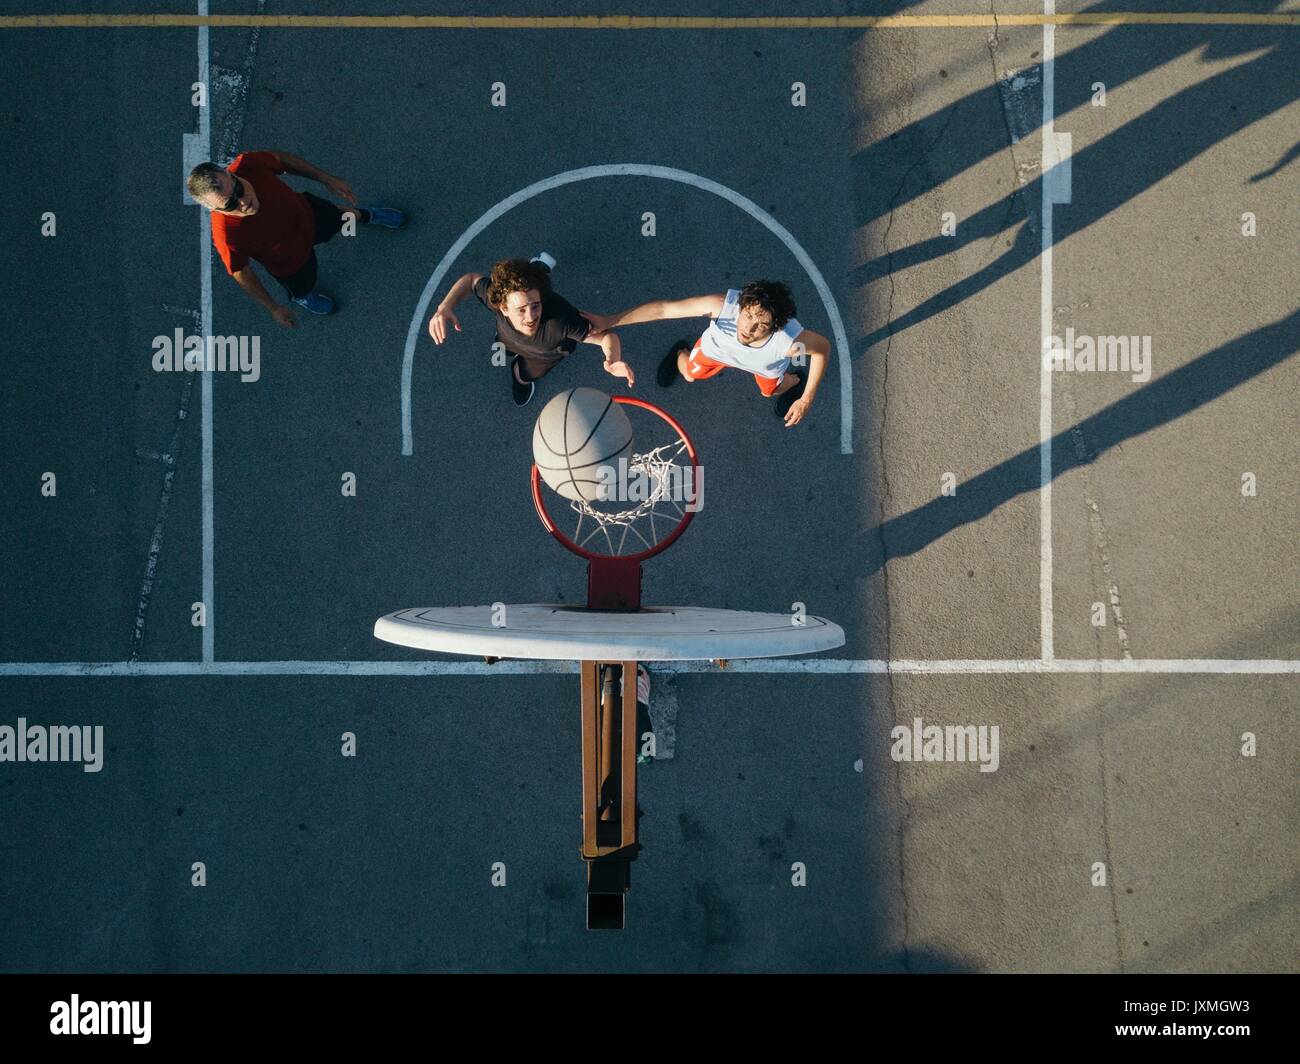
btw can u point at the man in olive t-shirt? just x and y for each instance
(537, 326)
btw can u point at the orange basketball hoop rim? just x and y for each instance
(549, 522)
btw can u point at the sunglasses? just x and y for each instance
(233, 203)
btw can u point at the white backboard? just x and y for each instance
(573, 633)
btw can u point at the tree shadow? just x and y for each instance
(1178, 392)
(1108, 58)
(1109, 174)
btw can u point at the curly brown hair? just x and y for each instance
(516, 275)
(771, 296)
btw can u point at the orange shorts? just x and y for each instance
(700, 367)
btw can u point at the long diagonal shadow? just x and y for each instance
(1178, 392)
(1112, 57)
(1107, 174)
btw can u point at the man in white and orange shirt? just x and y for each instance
(753, 329)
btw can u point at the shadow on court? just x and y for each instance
(1114, 170)
(1161, 401)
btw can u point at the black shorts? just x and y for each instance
(534, 367)
(328, 219)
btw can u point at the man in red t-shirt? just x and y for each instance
(257, 216)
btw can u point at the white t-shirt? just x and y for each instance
(770, 359)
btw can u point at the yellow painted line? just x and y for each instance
(640, 22)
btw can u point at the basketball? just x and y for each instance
(577, 433)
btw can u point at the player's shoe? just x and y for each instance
(522, 391)
(668, 372)
(316, 303)
(545, 258)
(787, 399)
(388, 217)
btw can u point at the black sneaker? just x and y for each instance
(522, 391)
(787, 399)
(668, 371)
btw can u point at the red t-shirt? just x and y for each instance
(279, 235)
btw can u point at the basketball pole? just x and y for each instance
(609, 749)
(609, 801)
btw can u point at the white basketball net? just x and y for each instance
(625, 531)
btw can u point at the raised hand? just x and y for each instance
(341, 189)
(798, 409)
(438, 325)
(621, 369)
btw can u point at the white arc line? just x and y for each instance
(666, 173)
(818, 666)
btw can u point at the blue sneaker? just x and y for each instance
(316, 303)
(388, 217)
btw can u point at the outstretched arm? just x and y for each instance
(294, 165)
(610, 344)
(252, 284)
(444, 315)
(817, 348)
(659, 310)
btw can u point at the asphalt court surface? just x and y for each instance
(383, 862)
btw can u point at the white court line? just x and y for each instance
(1047, 650)
(205, 329)
(818, 666)
(666, 173)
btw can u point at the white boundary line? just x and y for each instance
(822, 666)
(1047, 648)
(205, 329)
(666, 173)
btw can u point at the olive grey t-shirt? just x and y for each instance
(558, 333)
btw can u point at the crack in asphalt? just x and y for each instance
(1099, 542)
(1097, 526)
(1113, 884)
(1013, 197)
(169, 458)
